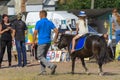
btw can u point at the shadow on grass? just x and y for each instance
(14, 66)
(33, 65)
(110, 74)
(5, 67)
(105, 74)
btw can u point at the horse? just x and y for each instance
(95, 46)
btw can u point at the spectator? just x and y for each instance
(116, 24)
(43, 29)
(6, 38)
(19, 31)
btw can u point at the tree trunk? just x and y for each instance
(92, 4)
(62, 1)
(23, 6)
(17, 6)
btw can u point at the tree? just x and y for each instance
(92, 4)
(104, 3)
(86, 4)
(74, 4)
(23, 6)
(61, 2)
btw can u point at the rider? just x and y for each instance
(81, 28)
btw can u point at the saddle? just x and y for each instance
(80, 42)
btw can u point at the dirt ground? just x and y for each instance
(30, 72)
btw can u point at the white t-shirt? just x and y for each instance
(82, 26)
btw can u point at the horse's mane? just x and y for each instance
(67, 35)
(72, 35)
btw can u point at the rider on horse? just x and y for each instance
(81, 28)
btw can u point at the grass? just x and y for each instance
(112, 72)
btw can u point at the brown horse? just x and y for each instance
(95, 46)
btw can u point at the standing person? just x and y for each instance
(81, 28)
(19, 31)
(43, 29)
(6, 38)
(116, 24)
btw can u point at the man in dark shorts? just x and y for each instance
(43, 29)
(19, 31)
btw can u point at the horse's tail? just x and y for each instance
(100, 51)
(105, 55)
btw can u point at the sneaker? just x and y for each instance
(42, 73)
(53, 69)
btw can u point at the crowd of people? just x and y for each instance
(15, 33)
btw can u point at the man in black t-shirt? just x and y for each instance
(19, 31)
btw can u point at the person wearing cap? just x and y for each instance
(81, 28)
(19, 31)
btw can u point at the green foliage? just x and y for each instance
(86, 4)
(117, 4)
(74, 4)
(105, 4)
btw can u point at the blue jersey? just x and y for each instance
(44, 27)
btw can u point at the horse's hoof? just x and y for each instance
(72, 72)
(101, 74)
(88, 73)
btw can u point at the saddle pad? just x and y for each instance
(80, 43)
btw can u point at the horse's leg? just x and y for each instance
(100, 68)
(84, 65)
(73, 64)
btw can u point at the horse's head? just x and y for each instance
(64, 40)
(62, 43)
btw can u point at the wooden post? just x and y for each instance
(62, 1)
(92, 4)
(17, 6)
(20, 6)
(23, 6)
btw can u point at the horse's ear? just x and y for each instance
(105, 36)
